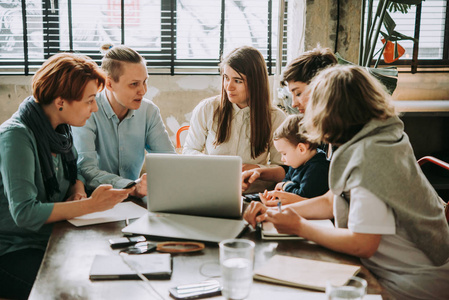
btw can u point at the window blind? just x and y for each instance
(431, 21)
(174, 36)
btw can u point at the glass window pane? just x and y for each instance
(98, 22)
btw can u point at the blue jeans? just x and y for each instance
(18, 271)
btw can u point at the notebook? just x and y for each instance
(304, 273)
(152, 266)
(269, 232)
(193, 197)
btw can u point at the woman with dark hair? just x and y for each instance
(39, 182)
(241, 121)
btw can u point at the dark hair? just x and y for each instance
(249, 62)
(307, 65)
(293, 131)
(343, 99)
(115, 56)
(65, 75)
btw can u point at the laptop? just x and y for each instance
(194, 197)
(201, 185)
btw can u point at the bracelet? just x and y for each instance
(179, 247)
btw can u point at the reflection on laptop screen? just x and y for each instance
(203, 185)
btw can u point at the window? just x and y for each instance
(175, 36)
(429, 22)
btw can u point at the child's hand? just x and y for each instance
(273, 197)
(279, 186)
(268, 199)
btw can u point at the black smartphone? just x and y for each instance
(130, 185)
(251, 197)
(126, 241)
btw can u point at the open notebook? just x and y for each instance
(269, 232)
(305, 273)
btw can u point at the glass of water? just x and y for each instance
(236, 262)
(355, 289)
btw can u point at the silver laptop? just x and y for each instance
(201, 185)
(192, 197)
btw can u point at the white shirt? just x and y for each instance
(401, 267)
(202, 133)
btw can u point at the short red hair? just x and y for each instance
(65, 75)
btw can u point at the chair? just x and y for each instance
(441, 164)
(178, 138)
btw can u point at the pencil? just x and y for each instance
(280, 206)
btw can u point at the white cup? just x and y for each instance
(236, 262)
(355, 289)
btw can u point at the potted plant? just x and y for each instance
(369, 35)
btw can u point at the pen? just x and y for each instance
(280, 206)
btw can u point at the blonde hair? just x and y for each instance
(294, 132)
(115, 56)
(343, 99)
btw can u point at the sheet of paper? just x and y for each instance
(122, 211)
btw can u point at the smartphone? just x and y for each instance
(126, 241)
(251, 197)
(130, 185)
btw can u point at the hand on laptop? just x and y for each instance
(141, 187)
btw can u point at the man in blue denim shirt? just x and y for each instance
(112, 144)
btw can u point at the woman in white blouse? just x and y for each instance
(241, 121)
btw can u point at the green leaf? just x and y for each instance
(387, 76)
(389, 24)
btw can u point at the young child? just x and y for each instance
(308, 168)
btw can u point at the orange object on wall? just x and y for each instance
(389, 52)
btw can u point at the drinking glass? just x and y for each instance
(354, 290)
(236, 261)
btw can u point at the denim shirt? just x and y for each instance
(113, 151)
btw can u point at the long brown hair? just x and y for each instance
(344, 99)
(249, 62)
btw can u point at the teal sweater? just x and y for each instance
(380, 159)
(24, 206)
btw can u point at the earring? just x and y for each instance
(60, 109)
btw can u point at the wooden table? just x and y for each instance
(64, 273)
